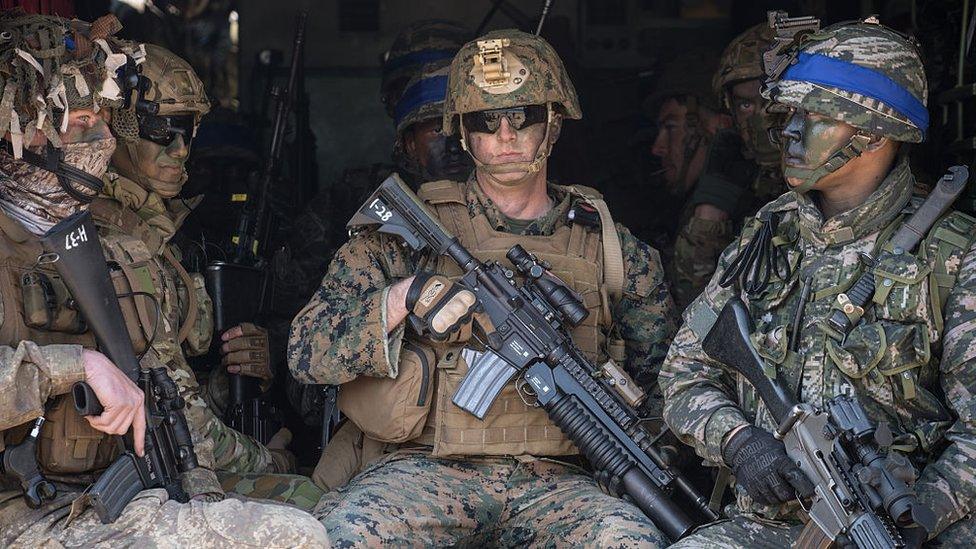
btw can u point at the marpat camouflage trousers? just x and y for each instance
(153, 520)
(413, 499)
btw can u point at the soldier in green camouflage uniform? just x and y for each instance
(741, 173)
(507, 90)
(71, 66)
(910, 359)
(136, 219)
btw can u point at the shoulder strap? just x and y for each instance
(191, 293)
(952, 234)
(440, 192)
(613, 255)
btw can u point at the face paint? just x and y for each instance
(809, 141)
(35, 197)
(754, 120)
(445, 159)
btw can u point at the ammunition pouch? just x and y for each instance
(69, 445)
(47, 304)
(138, 311)
(393, 409)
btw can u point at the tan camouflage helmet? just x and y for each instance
(174, 84)
(504, 69)
(863, 74)
(742, 60)
(49, 66)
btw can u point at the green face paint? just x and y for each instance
(811, 146)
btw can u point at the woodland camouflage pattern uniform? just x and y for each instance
(911, 358)
(38, 366)
(412, 496)
(739, 176)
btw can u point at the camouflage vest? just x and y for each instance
(36, 307)
(512, 427)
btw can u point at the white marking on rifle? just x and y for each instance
(518, 348)
(75, 238)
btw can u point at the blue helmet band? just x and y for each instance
(421, 57)
(426, 91)
(827, 71)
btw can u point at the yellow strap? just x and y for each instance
(613, 254)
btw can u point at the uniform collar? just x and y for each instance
(881, 207)
(479, 203)
(165, 216)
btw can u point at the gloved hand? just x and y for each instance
(914, 537)
(444, 308)
(245, 352)
(761, 466)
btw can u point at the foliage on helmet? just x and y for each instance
(863, 74)
(50, 66)
(504, 69)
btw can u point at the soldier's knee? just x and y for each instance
(627, 532)
(265, 524)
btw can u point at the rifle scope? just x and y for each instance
(556, 294)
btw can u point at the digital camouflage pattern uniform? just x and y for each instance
(910, 360)
(484, 488)
(39, 364)
(740, 175)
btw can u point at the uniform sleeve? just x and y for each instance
(948, 485)
(696, 251)
(645, 316)
(30, 374)
(699, 394)
(342, 332)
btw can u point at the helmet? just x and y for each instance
(742, 60)
(507, 68)
(49, 66)
(173, 84)
(423, 96)
(420, 43)
(861, 73)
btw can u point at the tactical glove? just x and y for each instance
(443, 308)
(761, 466)
(248, 354)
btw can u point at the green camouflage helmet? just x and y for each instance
(504, 69)
(742, 60)
(418, 44)
(173, 84)
(423, 96)
(863, 74)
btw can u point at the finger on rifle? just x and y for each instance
(804, 488)
(139, 431)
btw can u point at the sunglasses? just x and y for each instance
(518, 117)
(162, 130)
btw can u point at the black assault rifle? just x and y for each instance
(238, 287)
(531, 337)
(74, 246)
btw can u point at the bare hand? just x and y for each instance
(123, 401)
(245, 351)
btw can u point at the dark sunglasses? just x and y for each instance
(162, 130)
(518, 117)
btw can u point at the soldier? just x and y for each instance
(456, 479)
(420, 154)
(136, 219)
(741, 172)
(856, 93)
(60, 84)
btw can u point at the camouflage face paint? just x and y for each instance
(809, 140)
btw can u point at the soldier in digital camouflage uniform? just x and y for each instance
(513, 478)
(316, 234)
(70, 66)
(855, 93)
(137, 216)
(741, 173)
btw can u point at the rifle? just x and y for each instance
(247, 272)
(78, 258)
(531, 337)
(862, 492)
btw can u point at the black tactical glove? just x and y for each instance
(914, 537)
(761, 466)
(443, 308)
(727, 176)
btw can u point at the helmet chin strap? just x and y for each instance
(857, 145)
(528, 168)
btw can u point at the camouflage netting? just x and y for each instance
(51, 65)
